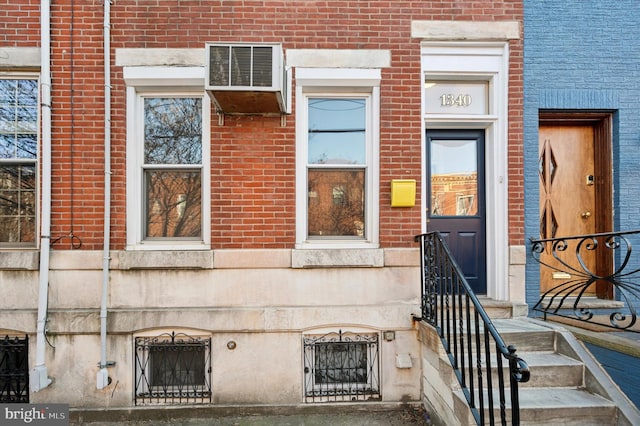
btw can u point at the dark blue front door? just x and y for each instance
(456, 198)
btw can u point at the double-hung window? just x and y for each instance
(336, 167)
(337, 157)
(167, 160)
(172, 167)
(18, 158)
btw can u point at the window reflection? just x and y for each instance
(336, 203)
(18, 152)
(174, 204)
(337, 131)
(454, 178)
(172, 130)
(172, 147)
(336, 167)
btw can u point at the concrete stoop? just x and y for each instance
(556, 406)
(502, 309)
(567, 385)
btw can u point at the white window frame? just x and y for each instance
(339, 83)
(23, 161)
(144, 82)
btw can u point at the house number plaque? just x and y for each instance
(466, 98)
(450, 99)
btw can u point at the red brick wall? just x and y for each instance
(252, 158)
(19, 23)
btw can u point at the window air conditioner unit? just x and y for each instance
(247, 78)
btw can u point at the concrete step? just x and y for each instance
(548, 369)
(565, 406)
(493, 308)
(502, 309)
(524, 335)
(558, 392)
(592, 303)
(555, 406)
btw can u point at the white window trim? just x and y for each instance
(335, 82)
(27, 258)
(479, 61)
(162, 81)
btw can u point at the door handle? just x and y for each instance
(586, 215)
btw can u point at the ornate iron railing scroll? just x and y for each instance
(475, 349)
(571, 297)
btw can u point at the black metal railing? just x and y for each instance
(340, 367)
(476, 350)
(14, 369)
(588, 268)
(172, 369)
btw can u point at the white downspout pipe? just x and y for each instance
(102, 378)
(38, 377)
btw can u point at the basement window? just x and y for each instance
(172, 369)
(341, 367)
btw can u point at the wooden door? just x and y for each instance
(567, 194)
(456, 198)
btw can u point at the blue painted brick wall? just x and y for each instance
(621, 367)
(584, 55)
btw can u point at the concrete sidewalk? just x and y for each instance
(334, 415)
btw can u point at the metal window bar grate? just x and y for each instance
(14, 370)
(340, 367)
(474, 347)
(172, 369)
